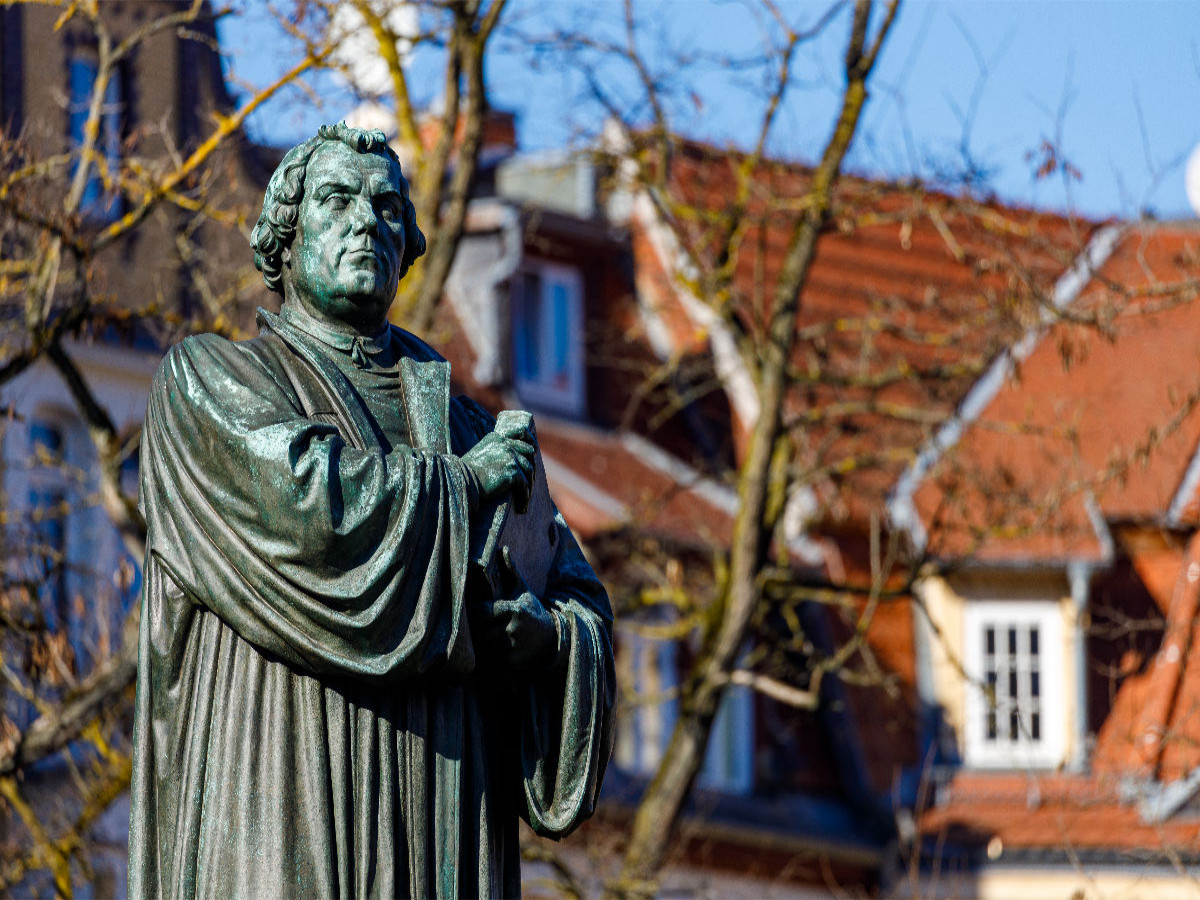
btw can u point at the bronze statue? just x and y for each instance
(345, 687)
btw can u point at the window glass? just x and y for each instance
(729, 760)
(650, 703)
(528, 325)
(561, 336)
(1010, 649)
(97, 204)
(47, 509)
(648, 669)
(548, 363)
(1011, 681)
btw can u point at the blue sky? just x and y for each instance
(1114, 86)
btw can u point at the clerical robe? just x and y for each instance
(312, 718)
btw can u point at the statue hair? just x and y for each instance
(276, 225)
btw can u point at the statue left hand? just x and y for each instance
(517, 627)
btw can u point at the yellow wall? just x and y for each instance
(1087, 883)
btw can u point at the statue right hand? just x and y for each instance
(501, 464)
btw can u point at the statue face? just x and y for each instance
(345, 259)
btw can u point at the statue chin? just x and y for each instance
(368, 314)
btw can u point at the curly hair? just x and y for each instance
(276, 226)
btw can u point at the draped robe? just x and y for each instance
(311, 717)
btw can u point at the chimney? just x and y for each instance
(499, 139)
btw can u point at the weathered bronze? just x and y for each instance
(345, 687)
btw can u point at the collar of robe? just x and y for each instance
(362, 348)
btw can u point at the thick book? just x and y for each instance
(525, 526)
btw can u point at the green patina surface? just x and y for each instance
(332, 699)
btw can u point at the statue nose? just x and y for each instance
(364, 218)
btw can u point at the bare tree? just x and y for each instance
(440, 143)
(136, 230)
(830, 403)
(808, 426)
(766, 349)
(123, 231)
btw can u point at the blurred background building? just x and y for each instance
(1016, 712)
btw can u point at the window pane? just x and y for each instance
(45, 436)
(990, 700)
(527, 326)
(96, 202)
(83, 76)
(1016, 645)
(560, 303)
(110, 142)
(129, 474)
(83, 79)
(547, 362)
(110, 120)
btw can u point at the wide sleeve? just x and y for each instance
(567, 727)
(338, 560)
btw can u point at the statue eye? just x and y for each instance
(390, 212)
(337, 201)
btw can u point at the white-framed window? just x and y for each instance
(650, 672)
(547, 322)
(1015, 708)
(649, 666)
(69, 549)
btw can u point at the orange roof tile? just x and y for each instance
(1099, 427)
(1165, 727)
(1072, 813)
(910, 295)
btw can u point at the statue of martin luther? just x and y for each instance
(331, 700)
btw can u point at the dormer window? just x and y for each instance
(547, 316)
(97, 204)
(1015, 714)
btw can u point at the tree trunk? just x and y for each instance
(658, 814)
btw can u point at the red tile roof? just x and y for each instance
(1094, 438)
(1105, 414)
(1066, 812)
(643, 487)
(910, 295)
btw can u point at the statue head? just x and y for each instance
(338, 230)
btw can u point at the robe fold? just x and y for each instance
(311, 717)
